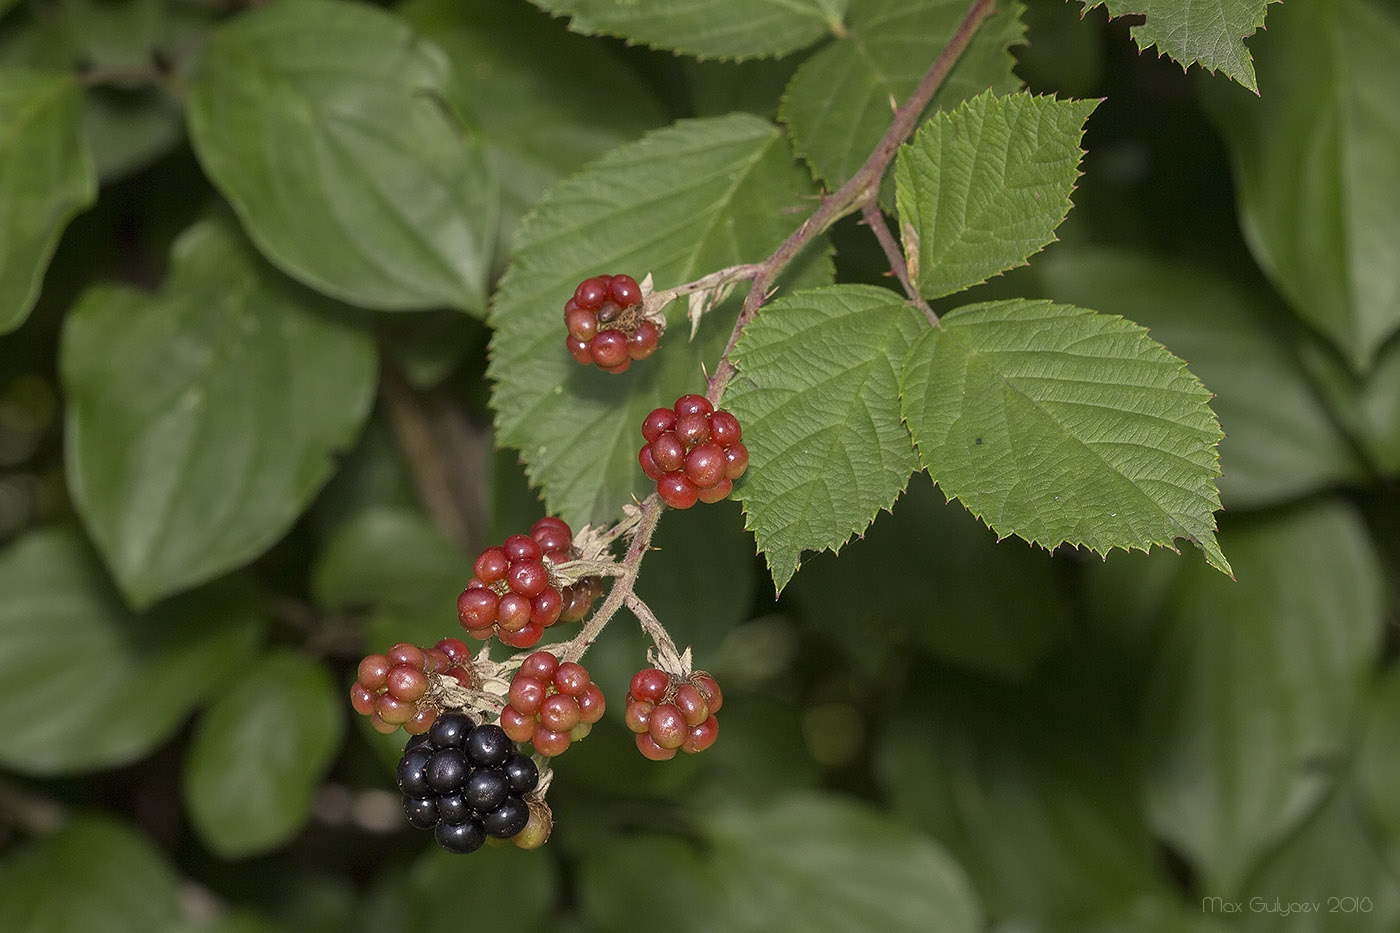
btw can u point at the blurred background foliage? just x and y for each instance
(931, 730)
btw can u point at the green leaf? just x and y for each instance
(259, 753)
(1280, 441)
(730, 29)
(545, 102)
(839, 102)
(648, 875)
(93, 874)
(1209, 33)
(1006, 780)
(87, 684)
(854, 870)
(1314, 166)
(817, 389)
(203, 419)
(325, 125)
(47, 174)
(679, 203)
(1058, 425)
(981, 189)
(1257, 685)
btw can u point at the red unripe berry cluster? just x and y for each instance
(550, 704)
(394, 689)
(605, 323)
(512, 594)
(667, 713)
(692, 451)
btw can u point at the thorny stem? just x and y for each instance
(862, 188)
(631, 564)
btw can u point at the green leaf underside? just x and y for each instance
(857, 871)
(203, 419)
(1314, 162)
(1056, 424)
(71, 654)
(325, 125)
(679, 203)
(544, 101)
(1255, 693)
(93, 874)
(838, 103)
(46, 176)
(983, 188)
(724, 29)
(1209, 33)
(260, 752)
(817, 390)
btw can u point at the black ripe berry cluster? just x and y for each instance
(512, 594)
(466, 782)
(606, 325)
(692, 451)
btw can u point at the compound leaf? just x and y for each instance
(1057, 424)
(983, 188)
(325, 126)
(259, 753)
(727, 29)
(201, 420)
(1314, 166)
(679, 203)
(817, 392)
(1209, 33)
(839, 102)
(72, 656)
(47, 175)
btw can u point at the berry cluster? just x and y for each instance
(466, 782)
(606, 325)
(396, 689)
(668, 713)
(551, 704)
(513, 593)
(692, 452)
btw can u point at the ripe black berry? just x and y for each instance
(422, 812)
(463, 838)
(521, 773)
(446, 770)
(453, 808)
(488, 745)
(486, 789)
(450, 730)
(412, 780)
(507, 819)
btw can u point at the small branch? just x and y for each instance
(863, 187)
(875, 219)
(650, 513)
(669, 659)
